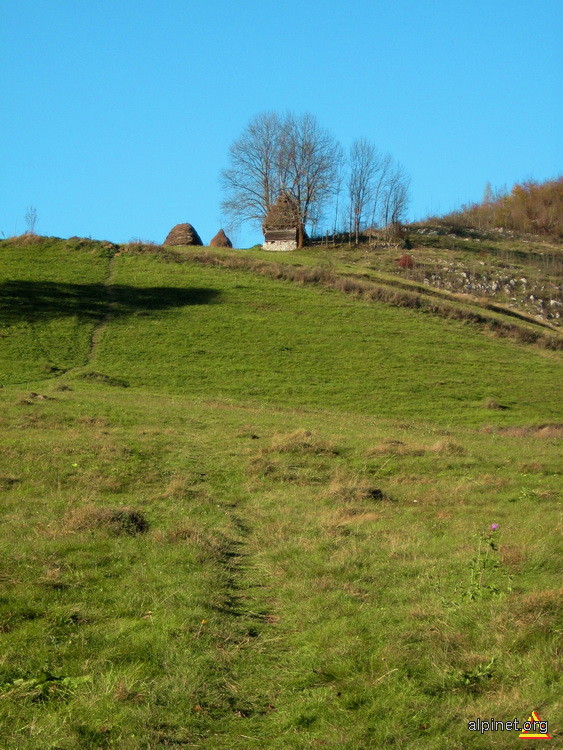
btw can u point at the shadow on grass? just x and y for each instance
(39, 300)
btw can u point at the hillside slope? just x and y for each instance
(229, 333)
(240, 512)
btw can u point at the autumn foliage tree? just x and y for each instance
(530, 207)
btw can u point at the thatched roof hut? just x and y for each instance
(281, 224)
(183, 234)
(220, 240)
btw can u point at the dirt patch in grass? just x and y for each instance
(39, 420)
(120, 521)
(8, 483)
(182, 487)
(52, 578)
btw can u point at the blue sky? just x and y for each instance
(117, 115)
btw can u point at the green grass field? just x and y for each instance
(240, 512)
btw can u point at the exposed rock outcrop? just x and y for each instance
(183, 234)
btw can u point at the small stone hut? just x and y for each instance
(220, 240)
(281, 225)
(183, 234)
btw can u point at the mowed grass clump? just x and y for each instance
(301, 442)
(115, 520)
(353, 488)
(299, 456)
(190, 562)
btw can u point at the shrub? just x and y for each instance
(406, 261)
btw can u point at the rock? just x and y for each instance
(183, 234)
(220, 240)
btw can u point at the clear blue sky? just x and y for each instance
(117, 115)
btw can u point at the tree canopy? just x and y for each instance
(293, 154)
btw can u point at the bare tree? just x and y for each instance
(291, 154)
(31, 217)
(395, 199)
(311, 157)
(376, 183)
(252, 181)
(339, 181)
(399, 195)
(383, 170)
(364, 161)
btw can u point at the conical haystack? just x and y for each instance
(220, 240)
(183, 234)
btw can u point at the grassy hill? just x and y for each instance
(247, 504)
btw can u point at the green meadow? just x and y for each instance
(240, 512)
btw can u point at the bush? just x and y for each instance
(406, 261)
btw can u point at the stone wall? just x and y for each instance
(280, 246)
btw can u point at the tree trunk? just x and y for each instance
(300, 236)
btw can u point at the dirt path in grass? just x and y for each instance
(99, 329)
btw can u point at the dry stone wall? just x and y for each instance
(280, 246)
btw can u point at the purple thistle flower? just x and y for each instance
(494, 526)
